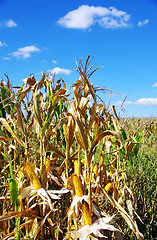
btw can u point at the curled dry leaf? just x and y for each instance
(6, 125)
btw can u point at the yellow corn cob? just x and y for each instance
(112, 168)
(28, 168)
(32, 176)
(20, 172)
(86, 213)
(108, 187)
(77, 185)
(48, 165)
(95, 170)
(76, 167)
(35, 182)
(83, 160)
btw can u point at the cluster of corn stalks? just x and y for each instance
(63, 162)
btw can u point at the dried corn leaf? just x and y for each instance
(80, 134)
(55, 98)
(24, 92)
(26, 213)
(132, 224)
(37, 107)
(90, 87)
(19, 117)
(56, 150)
(6, 125)
(129, 148)
(69, 128)
(117, 135)
(31, 80)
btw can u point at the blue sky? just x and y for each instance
(49, 35)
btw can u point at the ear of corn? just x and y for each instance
(48, 165)
(77, 185)
(95, 170)
(112, 169)
(76, 167)
(86, 213)
(32, 176)
(108, 187)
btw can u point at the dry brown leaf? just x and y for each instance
(117, 135)
(80, 134)
(26, 213)
(24, 92)
(129, 148)
(19, 117)
(132, 224)
(90, 87)
(6, 125)
(37, 106)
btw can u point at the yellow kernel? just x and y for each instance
(36, 183)
(32, 176)
(95, 170)
(76, 167)
(77, 185)
(108, 187)
(112, 169)
(86, 213)
(48, 162)
(83, 160)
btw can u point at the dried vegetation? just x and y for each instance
(64, 163)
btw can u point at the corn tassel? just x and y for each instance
(32, 176)
(77, 185)
(86, 213)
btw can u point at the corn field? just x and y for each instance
(70, 167)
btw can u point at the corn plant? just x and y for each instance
(70, 159)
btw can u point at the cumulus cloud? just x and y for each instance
(86, 16)
(25, 52)
(140, 24)
(58, 70)
(8, 23)
(147, 101)
(154, 85)
(142, 102)
(2, 44)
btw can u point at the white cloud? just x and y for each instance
(119, 103)
(140, 24)
(142, 102)
(54, 61)
(2, 44)
(154, 85)
(147, 101)
(86, 16)
(58, 70)
(25, 52)
(6, 58)
(10, 23)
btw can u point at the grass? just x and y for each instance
(70, 167)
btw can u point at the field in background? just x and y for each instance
(72, 168)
